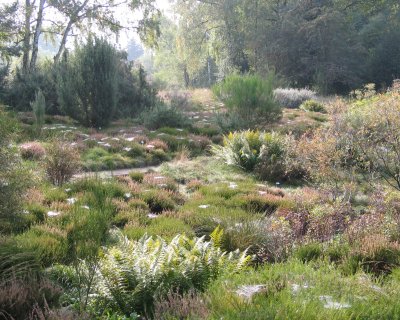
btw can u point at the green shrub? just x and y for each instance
(267, 204)
(309, 252)
(87, 83)
(38, 211)
(14, 178)
(313, 106)
(182, 264)
(53, 194)
(135, 216)
(136, 150)
(165, 116)
(158, 201)
(249, 95)
(165, 227)
(47, 242)
(231, 121)
(374, 253)
(138, 204)
(136, 176)
(61, 163)
(103, 189)
(159, 156)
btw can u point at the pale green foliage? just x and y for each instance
(249, 95)
(134, 273)
(313, 106)
(243, 149)
(39, 109)
(269, 155)
(293, 98)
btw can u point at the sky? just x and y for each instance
(121, 13)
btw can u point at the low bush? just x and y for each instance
(375, 254)
(158, 201)
(165, 116)
(47, 242)
(313, 106)
(182, 264)
(270, 155)
(249, 95)
(309, 252)
(165, 227)
(61, 163)
(32, 151)
(136, 176)
(266, 204)
(293, 98)
(189, 305)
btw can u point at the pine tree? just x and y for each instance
(87, 84)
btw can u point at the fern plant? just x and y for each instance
(135, 273)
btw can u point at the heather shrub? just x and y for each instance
(249, 95)
(267, 204)
(309, 252)
(182, 264)
(136, 176)
(190, 305)
(159, 144)
(47, 242)
(292, 98)
(165, 227)
(375, 253)
(158, 201)
(165, 116)
(32, 151)
(324, 221)
(313, 106)
(61, 163)
(14, 178)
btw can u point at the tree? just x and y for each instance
(63, 18)
(87, 83)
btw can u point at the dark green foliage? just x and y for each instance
(23, 87)
(14, 178)
(309, 252)
(87, 83)
(134, 93)
(313, 106)
(158, 201)
(164, 116)
(136, 176)
(249, 95)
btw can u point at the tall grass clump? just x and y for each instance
(249, 95)
(14, 178)
(39, 109)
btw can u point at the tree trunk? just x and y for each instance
(186, 77)
(27, 35)
(38, 31)
(63, 41)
